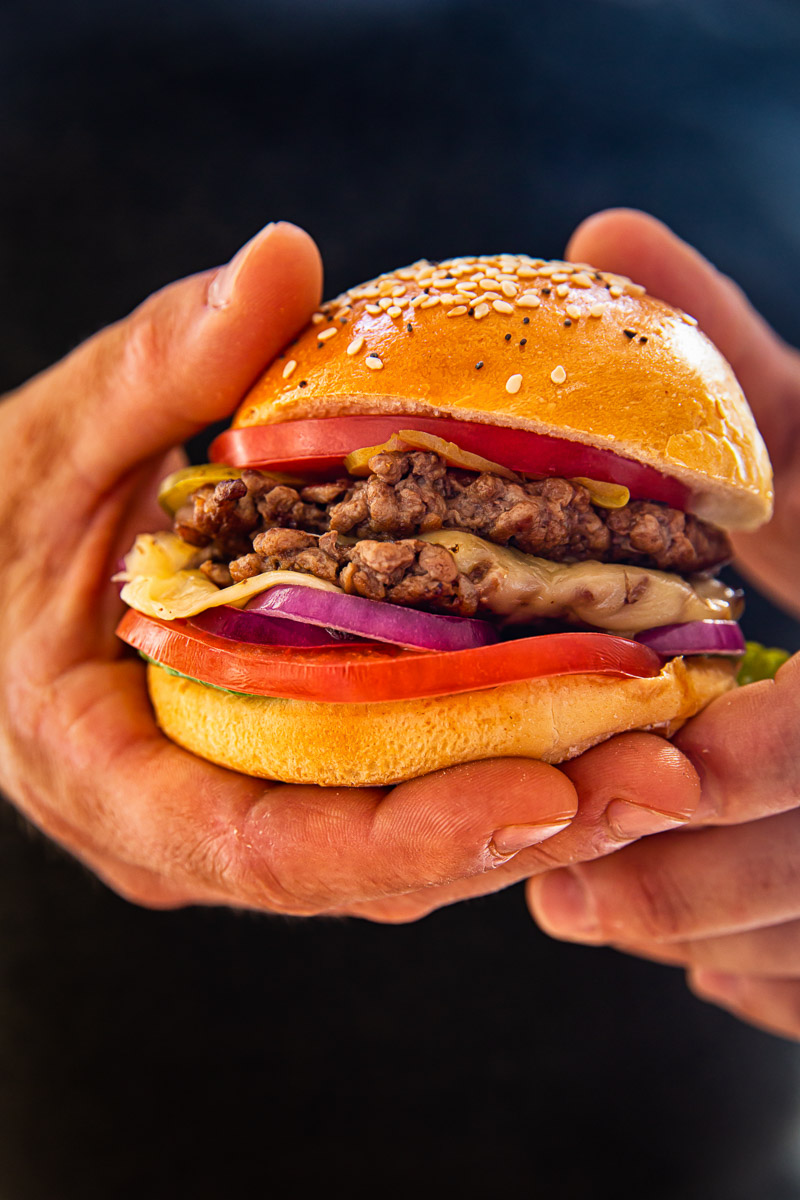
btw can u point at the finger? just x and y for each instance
(184, 358)
(633, 243)
(631, 786)
(772, 1004)
(746, 749)
(679, 887)
(771, 951)
(294, 849)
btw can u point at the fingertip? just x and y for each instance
(639, 768)
(605, 235)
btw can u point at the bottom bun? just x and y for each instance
(354, 745)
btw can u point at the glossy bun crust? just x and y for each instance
(565, 350)
(355, 745)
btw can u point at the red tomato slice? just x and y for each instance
(318, 447)
(367, 674)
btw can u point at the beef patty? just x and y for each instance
(410, 493)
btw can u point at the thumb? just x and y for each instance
(182, 359)
(635, 244)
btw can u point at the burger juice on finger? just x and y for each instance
(474, 510)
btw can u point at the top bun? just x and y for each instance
(552, 347)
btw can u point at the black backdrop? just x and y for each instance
(203, 1053)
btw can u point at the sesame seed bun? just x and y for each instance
(565, 350)
(356, 745)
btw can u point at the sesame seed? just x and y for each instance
(478, 366)
(458, 311)
(317, 317)
(502, 306)
(573, 311)
(615, 291)
(513, 384)
(373, 310)
(529, 301)
(526, 320)
(581, 279)
(466, 288)
(400, 290)
(356, 345)
(385, 303)
(491, 296)
(635, 289)
(562, 290)
(597, 310)
(642, 340)
(558, 374)
(481, 311)
(527, 272)
(508, 288)
(487, 284)
(290, 366)
(327, 334)
(523, 341)
(373, 362)
(415, 303)
(507, 337)
(559, 277)
(689, 320)
(394, 311)
(546, 291)
(629, 333)
(410, 327)
(303, 383)
(430, 302)
(568, 322)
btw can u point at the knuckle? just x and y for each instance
(232, 866)
(656, 905)
(144, 349)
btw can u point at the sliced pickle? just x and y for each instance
(357, 463)
(604, 495)
(176, 489)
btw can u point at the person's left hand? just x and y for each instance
(721, 897)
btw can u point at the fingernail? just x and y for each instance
(709, 805)
(564, 906)
(223, 285)
(513, 838)
(628, 820)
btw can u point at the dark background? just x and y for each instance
(204, 1053)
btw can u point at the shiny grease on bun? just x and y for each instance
(551, 347)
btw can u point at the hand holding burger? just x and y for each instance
(721, 899)
(81, 754)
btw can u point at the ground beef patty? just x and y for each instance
(407, 494)
(408, 572)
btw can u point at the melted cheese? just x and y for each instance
(611, 596)
(162, 580)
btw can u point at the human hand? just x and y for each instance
(721, 898)
(79, 750)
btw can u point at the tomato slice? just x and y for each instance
(369, 674)
(318, 447)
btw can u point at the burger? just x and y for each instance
(476, 509)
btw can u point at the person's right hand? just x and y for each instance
(80, 754)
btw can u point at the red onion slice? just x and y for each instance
(374, 619)
(241, 625)
(695, 637)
